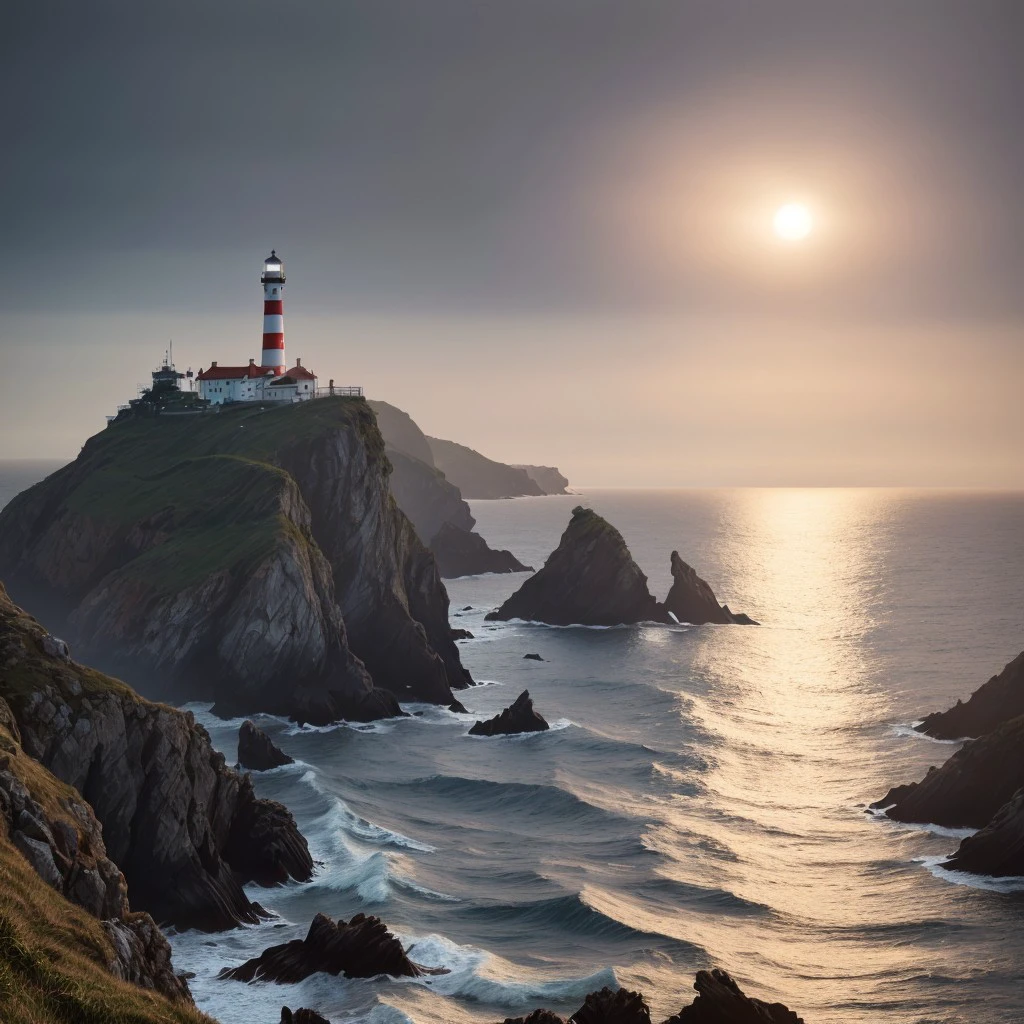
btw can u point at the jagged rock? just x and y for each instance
(998, 849)
(267, 568)
(721, 1001)
(590, 579)
(970, 787)
(360, 948)
(256, 751)
(186, 830)
(692, 600)
(547, 478)
(992, 704)
(476, 476)
(532, 657)
(302, 1016)
(460, 552)
(63, 842)
(458, 707)
(518, 717)
(537, 1017)
(56, 648)
(461, 634)
(608, 1007)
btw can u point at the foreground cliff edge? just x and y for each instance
(186, 831)
(255, 558)
(591, 579)
(980, 786)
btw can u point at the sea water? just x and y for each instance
(701, 800)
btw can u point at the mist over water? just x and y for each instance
(702, 800)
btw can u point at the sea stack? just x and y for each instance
(589, 579)
(518, 717)
(256, 750)
(692, 600)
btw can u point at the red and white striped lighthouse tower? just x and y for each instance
(272, 279)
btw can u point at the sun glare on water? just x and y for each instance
(793, 222)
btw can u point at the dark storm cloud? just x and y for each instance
(452, 156)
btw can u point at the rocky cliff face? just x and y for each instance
(433, 504)
(58, 835)
(255, 557)
(968, 790)
(992, 704)
(477, 476)
(591, 579)
(186, 831)
(547, 478)
(998, 849)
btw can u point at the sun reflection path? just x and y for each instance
(789, 706)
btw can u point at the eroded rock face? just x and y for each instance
(256, 558)
(721, 1001)
(998, 849)
(992, 704)
(58, 834)
(692, 600)
(256, 750)
(477, 476)
(589, 579)
(547, 478)
(613, 1007)
(516, 718)
(302, 1016)
(460, 552)
(186, 831)
(360, 948)
(968, 790)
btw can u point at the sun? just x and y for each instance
(793, 222)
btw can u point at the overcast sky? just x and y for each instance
(542, 227)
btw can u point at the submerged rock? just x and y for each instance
(998, 849)
(968, 790)
(721, 1001)
(461, 552)
(992, 704)
(589, 579)
(256, 750)
(360, 948)
(518, 717)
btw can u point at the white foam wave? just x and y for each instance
(477, 976)
(342, 820)
(910, 729)
(878, 813)
(1011, 883)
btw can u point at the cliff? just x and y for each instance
(992, 704)
(970, 787)
(477, 476)
(547, 478)
(434, 505)
(998, 849)
(590, 579)
(186, 831)
(255, 557)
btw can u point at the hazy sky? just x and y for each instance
(543, 227)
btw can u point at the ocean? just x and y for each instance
(701, 797)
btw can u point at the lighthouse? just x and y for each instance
(272, 280)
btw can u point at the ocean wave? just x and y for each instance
(341, 820)
(945, 831)
(936, 865)
(476, 976)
